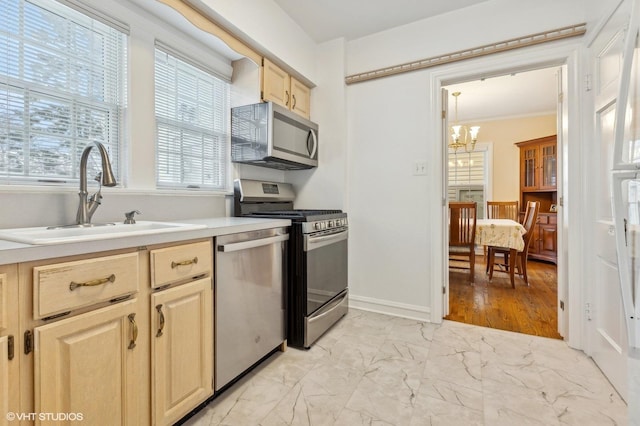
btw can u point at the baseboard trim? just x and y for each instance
(395, 309)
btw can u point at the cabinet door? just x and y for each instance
(9, 368)
(300, 98)
(275, 84)
(548, 240)
(529, 168)
(548, 175)
(4, 380)
(534, 245)
(181, 350)
(88, 365)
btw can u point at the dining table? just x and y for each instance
(502, 233)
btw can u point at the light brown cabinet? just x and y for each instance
(281, 88)
(80, 348)
(9, 361)
(538, 182)
(89, 340)
(181, 331)
(181, 350)
(87, 366)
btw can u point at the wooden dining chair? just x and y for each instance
(530, 218)
(462, 233)
(501, 210)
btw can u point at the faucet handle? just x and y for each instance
(129, 217)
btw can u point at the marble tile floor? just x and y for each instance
(373, 369)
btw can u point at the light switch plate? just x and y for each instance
(419, 168)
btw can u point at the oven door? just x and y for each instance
(326, 264)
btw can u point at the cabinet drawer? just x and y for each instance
(542, 219)
(172, 264)
(65, 286)
(553, 219)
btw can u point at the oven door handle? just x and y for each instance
(244, 245)
(312, 243)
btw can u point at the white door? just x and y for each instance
(606, 325)
(626, 204)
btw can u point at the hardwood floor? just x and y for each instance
(529, 310)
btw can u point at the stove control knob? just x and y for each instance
(316, 226)
(330, 224)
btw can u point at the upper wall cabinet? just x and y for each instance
(280, 88)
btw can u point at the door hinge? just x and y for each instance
(444, 290)
(587, 311)
(444, 114)
(587, 83)
(262, 95)
(560, 97)
(28, 342)
(10, 347)
(561, 201)
(562, 305)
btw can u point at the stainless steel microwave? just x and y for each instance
(269, 135)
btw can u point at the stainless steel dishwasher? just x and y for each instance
(250, 300)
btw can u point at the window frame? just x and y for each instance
(208, 125)
(112, 105)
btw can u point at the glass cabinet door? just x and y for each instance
(529, 159)
(548, 174)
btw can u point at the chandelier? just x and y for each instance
(462, 136)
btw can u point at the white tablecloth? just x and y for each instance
(500, 233)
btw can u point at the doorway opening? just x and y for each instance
(509, 109)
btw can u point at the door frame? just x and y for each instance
(570, 171)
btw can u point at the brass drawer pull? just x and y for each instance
(134, 330)
(111, 278)
(161, 317)
(184, 262)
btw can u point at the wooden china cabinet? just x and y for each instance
(538, 182)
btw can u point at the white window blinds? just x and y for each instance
(62, 85)
(467, 168)
(192, 117)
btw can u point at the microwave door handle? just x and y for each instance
(312, 152)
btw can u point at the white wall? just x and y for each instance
(484, 23)
(395, 216)
(270, 29)
(390, 223)
(324, 187)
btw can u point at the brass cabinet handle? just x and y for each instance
(161, 314)
(73, 285)
(286, 92)
(293, 105)
(184, 262)
(134, 331)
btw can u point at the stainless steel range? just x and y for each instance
(317, 290)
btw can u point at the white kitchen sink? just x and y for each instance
(72, 234)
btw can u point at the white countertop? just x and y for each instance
(11, 252)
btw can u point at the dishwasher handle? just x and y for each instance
(244, 245)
